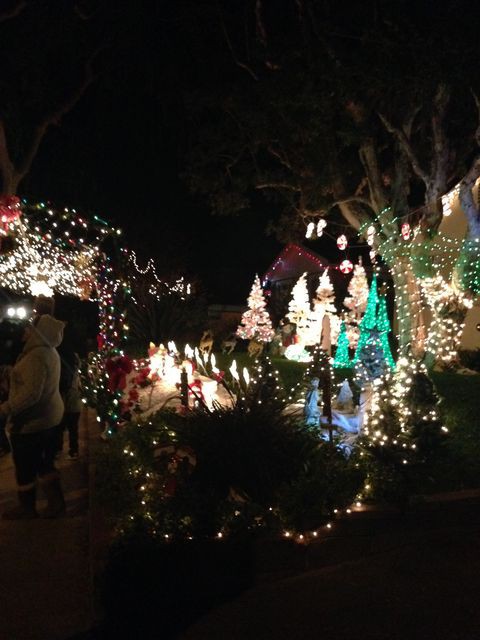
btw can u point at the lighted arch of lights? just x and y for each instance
(46, 250)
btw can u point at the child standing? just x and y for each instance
(70, 390)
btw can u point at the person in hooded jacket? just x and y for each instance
(35, 408)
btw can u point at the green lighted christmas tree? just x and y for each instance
(384, 328)
(369, 319)
(374, 329)
(342, 357)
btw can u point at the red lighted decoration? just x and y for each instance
(342, 242)
(346, 266)
(406, 231)
(117, 369)
(9, 212)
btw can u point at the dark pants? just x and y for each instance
(33, 454)
(69, 423)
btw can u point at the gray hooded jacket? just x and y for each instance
(34, 401)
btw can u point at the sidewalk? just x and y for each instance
(45, 574)
(377, 576)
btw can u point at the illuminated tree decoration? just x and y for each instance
(342, 356)
(402, 427)
(256, 323)
(323, 306)
(356, 302)
(369, 319)
(468, 266)
(263, 385)
(374, 329)
(58, 251)
(37, 262)
(10, 212)
(342, 242)
(384, 328)
(310, 230)
(449, 307)
(299, 308)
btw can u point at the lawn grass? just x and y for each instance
(460, 464)
(458, 467)
(289, 372)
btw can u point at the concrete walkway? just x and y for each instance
(45, 574)
(375, 578)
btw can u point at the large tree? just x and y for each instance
(366, 113)
(49, 53)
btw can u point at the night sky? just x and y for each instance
(120, 153)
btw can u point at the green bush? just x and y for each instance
(330, 479)
(255, 469)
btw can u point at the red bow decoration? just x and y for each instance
(142, 376)
(118, 368)
(196, 390)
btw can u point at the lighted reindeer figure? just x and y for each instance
(229, 344)
(255, 348)
(206, 343)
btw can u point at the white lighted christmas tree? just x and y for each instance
(356, 302)
(256, 323)
(324, 305)
(299, 308)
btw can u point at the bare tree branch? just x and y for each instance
(361, 186)
(278, 185)
(467, 201)
(350, 214)
(13, 12)
(281, 157)
(369, 159)
(84, 15)
(352, 200)
(55, 116)
(261, 31)
(440, 145)
(404, 143)
(238, 62)
(477, 132)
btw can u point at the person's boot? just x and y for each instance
(54, 494)
(25, 510)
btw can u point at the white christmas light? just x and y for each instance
(310, 229)
(371, 235)
(321, 226)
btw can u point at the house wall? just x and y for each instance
(455, 226)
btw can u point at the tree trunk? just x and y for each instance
(10, 182)
(408, 309)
